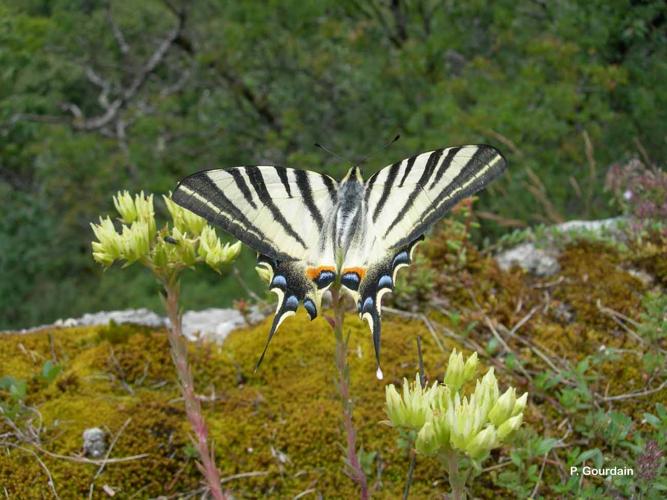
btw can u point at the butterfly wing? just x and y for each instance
(277, 211)
(285, 215)
(401, 202)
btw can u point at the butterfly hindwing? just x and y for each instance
(379, 278)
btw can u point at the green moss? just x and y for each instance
(284, 419)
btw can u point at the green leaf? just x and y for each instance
(50, 371)
(652, 419)
(595, 454)
(545, 446)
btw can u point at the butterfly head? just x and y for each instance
(353, 175)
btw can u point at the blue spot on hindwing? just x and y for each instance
(368, 305)
(278, 281)
(325, 279)
(309, 305)
(291, 303)
(401, 258)
(351, 281)
(385, 282)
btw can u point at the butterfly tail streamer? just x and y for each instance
(378, 280)
(288, 280)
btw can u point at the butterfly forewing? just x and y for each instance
(406, 198)
(280, 212)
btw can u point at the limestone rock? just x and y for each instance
(94, 442)
(530, 258)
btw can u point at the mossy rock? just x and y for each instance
(283, 422)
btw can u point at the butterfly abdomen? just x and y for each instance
(349, 214)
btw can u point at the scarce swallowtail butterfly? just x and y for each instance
(311, 230)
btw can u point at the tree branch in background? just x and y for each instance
(113, 107)
(117, 33)
(127, 94)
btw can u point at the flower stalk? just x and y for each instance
(179, 354)
(188, 241)
(354, 468)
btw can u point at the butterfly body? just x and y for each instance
(311, 231)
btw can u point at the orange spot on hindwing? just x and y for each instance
(359, 271)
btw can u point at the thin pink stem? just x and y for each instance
(179, 354)
(355, 471)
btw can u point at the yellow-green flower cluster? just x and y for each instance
(186, 242)
(448, 420)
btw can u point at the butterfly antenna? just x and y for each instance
(385, 146)
(335, 155)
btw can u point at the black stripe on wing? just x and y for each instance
(421, 183)
(485, 165)
(389, 183)
(201, 195)
(444, 165)
(408, 169)
(257, 181)
(303, 183)
(282, 173)
(242, 185)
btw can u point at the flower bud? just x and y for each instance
(231, 252)
(185, 220)
(145, 212)
(454, 373)
(502, 409)
(442, 399)
(161, 254)
(470, 368)
(482, 443)
(264, 273)
(520, 405)
(135, 241)
(125, 207)
(185, 249)
(108, 246)
(441, 430)
(427, 442)
(414, 408)
(509, 426)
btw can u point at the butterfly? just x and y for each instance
(310, 230)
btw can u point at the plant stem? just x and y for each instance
(413, 452)
(456, 479)
(355, 470)
(411, 470)
(179, 353)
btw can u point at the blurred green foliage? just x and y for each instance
(90, 104)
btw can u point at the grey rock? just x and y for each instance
(208, 324)
(138, 316)
(94, 442)
(543, 261)
(530, 258)
(215, 324)
(611, 226)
